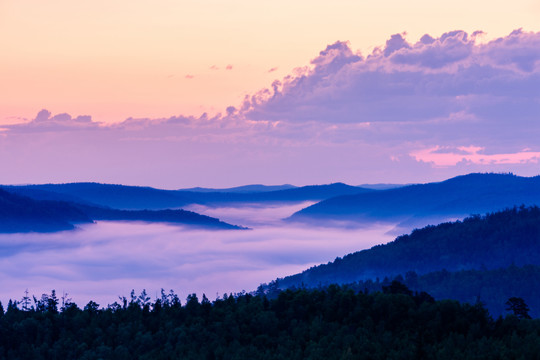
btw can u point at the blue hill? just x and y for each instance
(414, 204)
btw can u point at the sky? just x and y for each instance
(216, 93)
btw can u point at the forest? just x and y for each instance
(331, 323)
(492, 288)
(485, 258)
(495, 240)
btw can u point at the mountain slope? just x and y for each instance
(115, 196)
(496, 240)
(456, 197)
(491, 287)
(22, 214)
(179, 216)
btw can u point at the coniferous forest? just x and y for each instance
(331, 323)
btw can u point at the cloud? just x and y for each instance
(411, 111)
(272, 69)
(432, 53)
(442, 157)
(44, 121)
(229, 67)
(189, 77)
(395, 43)
(411, 82)
(447, 90)
(519, 51)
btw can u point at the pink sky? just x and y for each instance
(212, 93)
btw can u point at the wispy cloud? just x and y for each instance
(438, 156)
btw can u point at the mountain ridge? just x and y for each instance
(141, 198)
(23, 214)
(452, 198)
(494, 240)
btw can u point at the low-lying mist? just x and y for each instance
(105, 260)
(252, 215)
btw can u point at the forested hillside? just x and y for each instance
(492, 288)
(22, 214)
(492, 241)
(335, 323)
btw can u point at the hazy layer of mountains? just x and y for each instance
(409, 205)
(136, 197)
(54, 207)
(23, 214)
(422, 204)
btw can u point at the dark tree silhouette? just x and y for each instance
(518, 306)
(327, 323)
(396, 287)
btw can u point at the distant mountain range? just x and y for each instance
(135, 197)
(408, 205)
(115, 196)
(53, 207)
(23, 214)
(418, 205)
(243, 189)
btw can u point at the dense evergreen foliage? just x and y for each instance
(335, 323)
(492, 288)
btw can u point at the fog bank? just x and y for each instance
(105, 260)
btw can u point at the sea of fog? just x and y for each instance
(106, 260)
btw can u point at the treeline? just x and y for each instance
(490, 287)
(331, 323)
